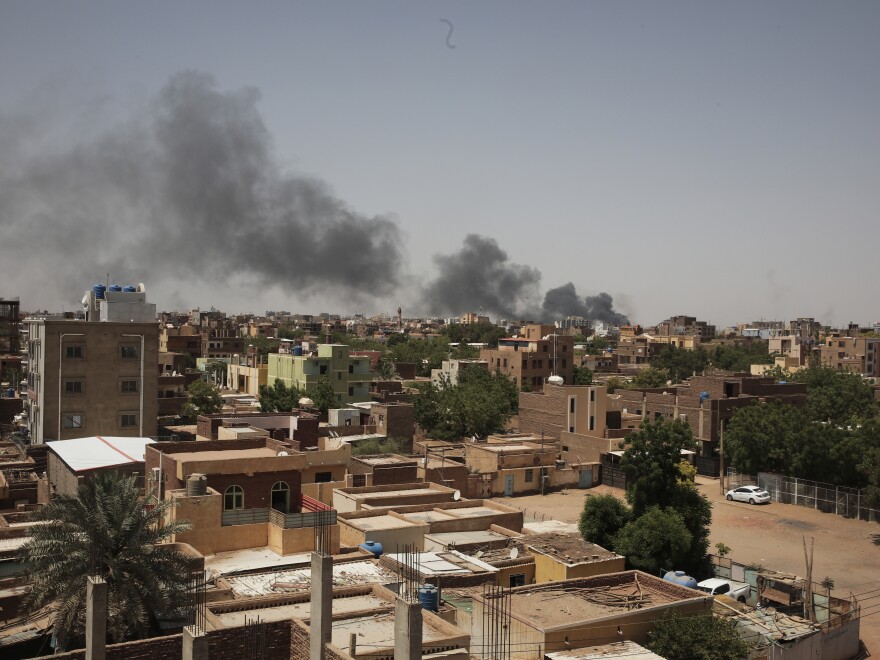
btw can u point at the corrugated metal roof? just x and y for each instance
(81, 454)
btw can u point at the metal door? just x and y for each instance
(586, 479)
(508, 485)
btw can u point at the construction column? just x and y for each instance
(407, 630)
(96, 618)
(321, 616)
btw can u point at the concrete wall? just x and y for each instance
(550, 569)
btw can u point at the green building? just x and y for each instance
(349, 376)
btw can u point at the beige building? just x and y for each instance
(90, 378)
(564, 408)
(245, 378)
(530, 359)
(860, 355)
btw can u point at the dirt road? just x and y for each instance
(847, 551)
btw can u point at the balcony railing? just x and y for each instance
(313, 512)
(245, 516)
(300, 520)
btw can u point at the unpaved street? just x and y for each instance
(847, 551)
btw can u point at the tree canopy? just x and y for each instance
(323, 395)
(602, 518)
(279, 397)
(656, 541)
(480, 404)
(204, 399)
(108, 529)
(696, 637)
(582, 376)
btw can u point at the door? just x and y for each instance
(586, 479)
(508, 485)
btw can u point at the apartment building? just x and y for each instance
(533, 357)
(349, 376)
(686, 325)
(860, 355)
(450, 369)
(573, 408)
(96, 376)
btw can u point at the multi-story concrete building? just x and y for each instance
(349, 376)
(450, 370)
(686, 325)
(572, 408)
(532, 358)
(96, 376)
(860, 355)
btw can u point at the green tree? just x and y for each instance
(697, 637)
(480, 404)
(323, 395)
(204, 398)
(602, 518)
(264, 345)
(279, 397)
(106, 528)
(615, 383)
(372, 446)
(386, 370)
(681, 363)
(650, 377)
(838, 397)
(755, 439)
(656, 541)
(741, 357)
(582, 376)
(650, 463)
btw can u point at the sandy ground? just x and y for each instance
(847, 551)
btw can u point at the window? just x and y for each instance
(74, 387)
(517, 579)
(128, 352)
(128, 386)
(564, 363)
(323, 477)
(128, 420)
(592, 394)
(72, 420)
(323, 369)
(351, 368)
(546, 348)
(564, 348)
(358, 480)
(571, 429)
(233, 498)
(571, 405)
(505, 363)
(281, 497)
(74, 351)
(338, 375)
(530, 476)
(350, 391)
(592, 423)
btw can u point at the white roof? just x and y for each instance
(100, 451)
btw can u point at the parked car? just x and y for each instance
(750, 494)
(718, 586)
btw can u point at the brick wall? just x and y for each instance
(299, 640)
(394, 474)
(235, 644)
(543, 413)
(145, 649)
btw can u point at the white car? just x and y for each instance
(750, 494)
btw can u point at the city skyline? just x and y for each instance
(715, 161)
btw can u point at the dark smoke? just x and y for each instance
(481, 275)
(189, 191)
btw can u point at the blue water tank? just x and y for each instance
(10, 393)
(98, 290)
(783, 382)
(703, 396)
(297, 350)
(429, 597)
(115, 287)
(372, 546)
(128, 288)
(682, 578)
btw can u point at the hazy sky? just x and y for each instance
(713, 159)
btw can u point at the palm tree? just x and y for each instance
(107, 530)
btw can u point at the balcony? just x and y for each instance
(311, 509)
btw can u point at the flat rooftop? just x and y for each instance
(468, 538)
(448, 562)
(295, 580)
(374, 632)
(568, 548)
(427, 516)
(625, 649)
(386, 460)
(303, 610)
(224, 454)
(404, 492)
(559, 604)
(474, 512)
(252, 559)
(379, 522)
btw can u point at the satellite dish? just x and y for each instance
(456, 495)
(306, 402)
(283, 453)
(514, 553)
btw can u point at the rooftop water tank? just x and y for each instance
(372, 546)
(98, 290)
(555, 380)
(298, 350)
(429, 597)
(682, 578)
(196, 484)
(129, 288)
(703, 396)
(10, 393)
(115, 287)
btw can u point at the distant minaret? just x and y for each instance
(399, 319)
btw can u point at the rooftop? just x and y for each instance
(625, 649)
(299, 579)
(82, 454)
(251, 559)
(568, 548)
(224, 454)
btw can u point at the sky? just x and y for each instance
(720, 160)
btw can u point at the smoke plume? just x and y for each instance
(188, 191)
(481, 275)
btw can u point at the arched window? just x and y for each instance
(233, 498)
(281, 497)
